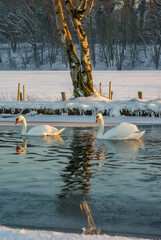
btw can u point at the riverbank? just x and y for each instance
(85, 107)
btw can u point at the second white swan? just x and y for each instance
(120, 132)
(42, 130)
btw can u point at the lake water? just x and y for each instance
(44, 180)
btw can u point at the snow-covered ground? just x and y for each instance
(43, 90)
(48, 85)
(22, 234)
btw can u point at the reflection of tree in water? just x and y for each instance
(77, 173)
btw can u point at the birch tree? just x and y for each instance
(80, 70)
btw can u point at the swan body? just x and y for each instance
(43, 130)
(120, 132)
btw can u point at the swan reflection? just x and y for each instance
(34, 141)
(21, 149)
(50, 139)
(44, 141)
(127, 146)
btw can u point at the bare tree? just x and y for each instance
(80, 70)
(29, 24)
(154, 31)
(106, 39)
(8, 31)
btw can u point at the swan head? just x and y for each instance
(20, 118)
(99, 116)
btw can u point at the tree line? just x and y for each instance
(119, 29)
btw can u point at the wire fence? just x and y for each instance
(47, 86)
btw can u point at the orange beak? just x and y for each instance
(17, 120)
(97, 119)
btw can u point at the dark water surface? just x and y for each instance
(44, 180)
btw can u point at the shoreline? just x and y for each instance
(76, 121)
(79, 125)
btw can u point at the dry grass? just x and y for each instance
(7, 97)
(92, 229)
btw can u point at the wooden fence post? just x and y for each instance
(63, 96)
(23, 92)
(100, 88)
(140, 95)
(18, 94)
(110, 92)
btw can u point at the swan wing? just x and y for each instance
(59, 131)
(122, 131)
(136, 135)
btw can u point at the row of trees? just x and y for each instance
(129, 27)
(112, 27)
(116, 27)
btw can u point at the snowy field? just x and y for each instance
(48, 85)
(43, 88)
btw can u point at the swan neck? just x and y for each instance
(24, 127)
(101, 128)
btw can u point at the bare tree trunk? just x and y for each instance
(81, 73)
(155, 51)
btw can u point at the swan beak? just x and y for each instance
(97, 119)
(17, 120)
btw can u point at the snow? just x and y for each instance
(46, 86)
(22, 234)
(43, 91)
(95, 104)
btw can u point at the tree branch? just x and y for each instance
(80, 4)
(86, 8)
(83, 9)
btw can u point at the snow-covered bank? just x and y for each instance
(85, 106)
(43, 93)
(22, 234)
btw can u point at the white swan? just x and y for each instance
(43, 130)
(122, 131)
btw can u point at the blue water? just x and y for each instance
(44, 180)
